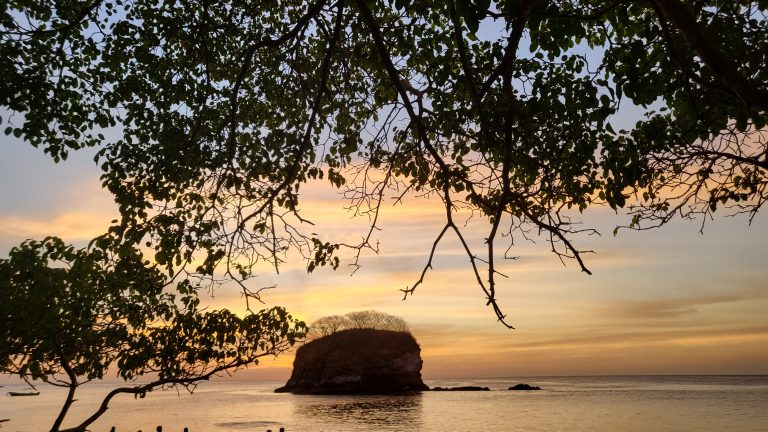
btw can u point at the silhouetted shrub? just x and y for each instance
(369, 319)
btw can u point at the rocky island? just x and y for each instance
(524, 387)
(357, 361)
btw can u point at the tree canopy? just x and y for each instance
(369, 319)
(69, 316)
(210, 117)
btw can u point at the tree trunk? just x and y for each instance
(63, 413)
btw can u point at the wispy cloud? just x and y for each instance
(73, 227)
(661, 308)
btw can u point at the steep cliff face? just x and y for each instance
(357, 361)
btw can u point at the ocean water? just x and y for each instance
(614, 403)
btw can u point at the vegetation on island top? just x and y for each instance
(369, 319)
(211, 117)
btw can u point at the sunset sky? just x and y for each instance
(668, 301)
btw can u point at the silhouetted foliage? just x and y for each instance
(69, 316)
(369, 319)
(328, 325)
(505, 110)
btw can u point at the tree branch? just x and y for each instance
(71, 388)
(144, 389)
(695, 35)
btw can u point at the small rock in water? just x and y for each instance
(463, 388)
(524, 387)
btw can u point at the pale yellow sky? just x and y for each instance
(669, 301)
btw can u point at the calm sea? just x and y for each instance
(615, 403)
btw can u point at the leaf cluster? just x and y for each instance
(69, 316)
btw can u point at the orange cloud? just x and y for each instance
(73, 227)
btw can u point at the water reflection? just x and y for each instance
(249, 425)
(404, 411)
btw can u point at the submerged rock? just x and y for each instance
(524, 387)
(462, 388)
(357, 361)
